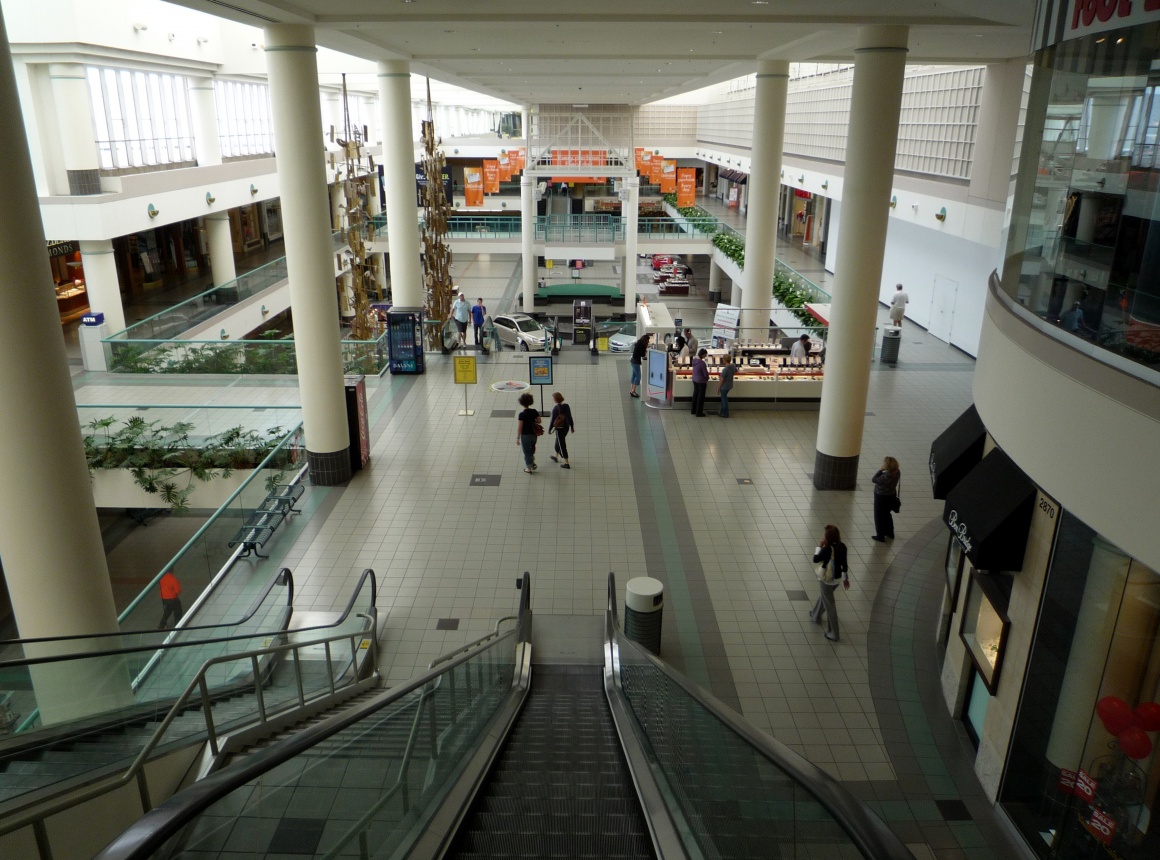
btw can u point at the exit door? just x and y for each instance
(942, 307)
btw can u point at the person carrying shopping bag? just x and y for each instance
(561, 424)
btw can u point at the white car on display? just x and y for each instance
(521, 332)
(624, 340)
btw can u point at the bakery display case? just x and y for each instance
(985, 625)
(767, 380)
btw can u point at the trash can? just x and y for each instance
(891, 338)
(644, 598)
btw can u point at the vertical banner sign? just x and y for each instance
(686, 187)
(734, 197)
(521, 159)
(645, 165)
(656, 167)
(465, 375)
(505, 167)
(490, 176)
(669, 176)
(473, 185)
(638, 156)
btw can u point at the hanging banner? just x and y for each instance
(645, 165)
(505, 167)
(669, 176)
(686, 187)
(490, 176)
(656, 167)
(638, 154)
(519, 159)
(578, 158)
(473, 186)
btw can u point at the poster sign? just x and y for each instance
(505, 166)
(686, 187)
(734, 197)
(726, 319)
(1066, 782)
(644, 165)
(473, 186)
(656, 167)
(490, 176)
(638, 157)
(1085, 787)
(465, 370)
(540, 369)
(519, 159)
(669, 176)
(658, 373)
(1102, 826)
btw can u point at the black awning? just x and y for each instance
(727, 174)
(956, 451)
(742, 178)
(989, 513)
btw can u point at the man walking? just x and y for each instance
(461, 313)
(478, 312)
(170, 598)
(898, 304)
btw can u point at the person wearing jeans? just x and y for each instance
(700, 383)
(526, 423)
(728, 369)
(561, 424)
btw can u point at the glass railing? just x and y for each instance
(669, 228)
(731, 791)
(808, 290)
(579, 228)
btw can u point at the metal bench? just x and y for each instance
(291, 492)
(250, 538)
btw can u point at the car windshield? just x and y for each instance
(629, 329)
(528, 325)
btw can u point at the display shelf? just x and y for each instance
(985, 626)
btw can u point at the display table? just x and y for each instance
(779, 385)
(72, 302)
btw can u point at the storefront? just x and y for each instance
(68, 275)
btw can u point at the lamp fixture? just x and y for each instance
(941, 214)
(893, 202)
(825, 185)
(224, 335)
(265, 311)
(209, 198)
(140, 28)
(914, 206)
(802, 179)
(153, 211)
(201, 40)
(253, 190)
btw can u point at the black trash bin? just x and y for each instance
(891, 338)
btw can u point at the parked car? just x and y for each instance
(624, 340)
(520, 331)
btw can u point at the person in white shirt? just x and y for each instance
(800, 348)
(898, 305)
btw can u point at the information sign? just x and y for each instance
(465, 370)
(540, 369)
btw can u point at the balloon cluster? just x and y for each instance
(1128, 725)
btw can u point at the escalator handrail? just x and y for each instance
(113, 652)
(254, 607)
(866, 830)
(152, 830)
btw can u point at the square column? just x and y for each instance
(206, 144)
(879, 69)
(527, 241)
(70, 96)
(630, 212)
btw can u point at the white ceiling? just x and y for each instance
(630, 51)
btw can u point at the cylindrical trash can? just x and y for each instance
(644, 598)
(891, 338)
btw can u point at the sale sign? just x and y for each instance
(1066, 782)
(686, 187)
(668, 176)
(473, 186)
(490, 176)
(656, 168)
(1085, 787)
(505, 167)
(1102, 826)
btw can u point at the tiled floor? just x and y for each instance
(657, 493)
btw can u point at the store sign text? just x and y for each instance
(1102, 826)
(1094, 16)
(959, 530)
(1085, 787)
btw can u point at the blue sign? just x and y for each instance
(93, 318)
(540, 370)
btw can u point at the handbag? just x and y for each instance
(561, 422)
(538, 427)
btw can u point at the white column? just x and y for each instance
(735, 296)
(206, 144)
(995, 135)
(399, 183)
(221, 248)
(528, 240)
(70, 95)
(57, 577)
(879, 67)
(292, 66)
(630, 213)
(764, 181)
(102, 283)
(714, 277)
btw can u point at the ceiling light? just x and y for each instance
(1120, 40)
(758, 2)
(717, 32)
(1101, 40)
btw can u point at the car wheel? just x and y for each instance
(523, 346)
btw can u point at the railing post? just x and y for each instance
(434, 732)
(363, 849)
(43, 846)
(353, 658)
(208, 711)
(329, 668)
(298, 678)
(143, 790)
(258, 688)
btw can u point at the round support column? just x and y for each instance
(879, 67)
(57, 577)
(715, 274)
(631, 216)
(102, 283)
(291, 60)
(528, 240)
(407, 287)
(221, 248)
(764, 183)
(70, 95)
(206, 143)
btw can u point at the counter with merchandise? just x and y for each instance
(774, 382)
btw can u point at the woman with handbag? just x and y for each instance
(831, 568)
(528, 427)
(561, 424)
(886, 499)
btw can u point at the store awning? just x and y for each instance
(989, 513)
(733, 176)
(956, 451)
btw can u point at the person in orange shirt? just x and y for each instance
(170, 598)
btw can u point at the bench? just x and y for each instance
(260, 525)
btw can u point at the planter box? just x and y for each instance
(115, 488)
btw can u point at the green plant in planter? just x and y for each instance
(165, 461)
(732, 246)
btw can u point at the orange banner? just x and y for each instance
(519, 159)
(490, 176)
(638, 154)
(579, 158)
(644, 165)
(669, 176)
(505, 167)
(473, 185)
(656, 168)
(686, 187)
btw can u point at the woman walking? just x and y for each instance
(639, 349)
(830, 563)
(561, 424)
(885, 499)
(527, 425)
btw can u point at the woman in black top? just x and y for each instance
(638, 353)
(561, 424)
(885, 492)
(526, 423)
(831, 555)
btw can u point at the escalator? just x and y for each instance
(624, 760)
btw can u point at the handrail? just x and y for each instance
(470, 645)
(155, 827)
(866, 830)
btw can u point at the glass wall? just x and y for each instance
(1082, 779)
(245, 126)
(1084, 249)
(139, 118)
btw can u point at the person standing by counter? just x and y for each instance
(728, 369)
(801, 348)
(638, 353)
(700, 383)
(885, 497)
(691, 341)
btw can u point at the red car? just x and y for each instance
(660, 260)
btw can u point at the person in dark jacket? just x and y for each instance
(638, 354)
(526, 423)
(885, 492)
(700, 382)
(831, 555)
(728, 369)
(561, 424)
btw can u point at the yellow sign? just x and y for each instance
(464, 369)
(547, 264)
(602, 344)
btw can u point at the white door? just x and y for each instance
(942, 307)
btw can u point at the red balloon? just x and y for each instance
(1148, 716)
(1135, 743)
(1115, 714)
